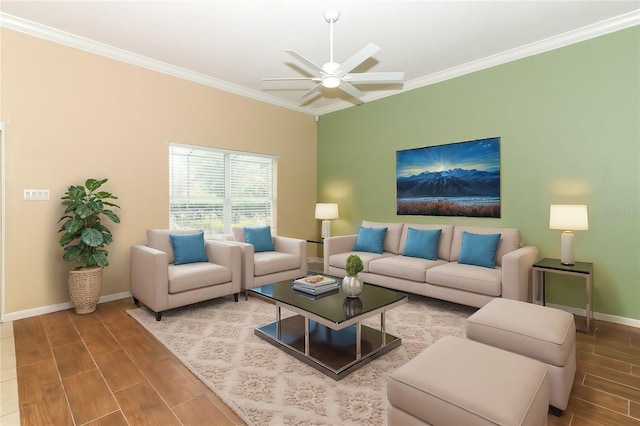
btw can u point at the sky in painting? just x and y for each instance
(483, 154)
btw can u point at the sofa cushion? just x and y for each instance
(509, 240)
(479, 249)
(188, 248)
(392, 239)
(422, 243)
(446, 235)
(370, 239)
(339, 260)
(269, 262)
(467, 277)
(404, 267)
(196, 275)
(259, 237)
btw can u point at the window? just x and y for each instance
(213, 189)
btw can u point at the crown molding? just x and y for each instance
(576, 36)
(581, 34)
(588, 32)
(51, 34)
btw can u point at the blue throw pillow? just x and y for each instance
(370, 239)
(422, 243)
(188, 248)
(479, 249)
(260, 237)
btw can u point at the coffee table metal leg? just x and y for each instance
(306, 336)
(358, 340)
(382, 330)
(278, 322)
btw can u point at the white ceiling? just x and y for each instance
(234, 44)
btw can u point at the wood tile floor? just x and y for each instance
(105, 369)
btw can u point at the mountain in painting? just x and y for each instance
(450, 183)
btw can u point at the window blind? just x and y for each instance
(214, 190)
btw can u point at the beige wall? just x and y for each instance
(70, 115)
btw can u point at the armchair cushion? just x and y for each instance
(196, 275)
(188, 248)
(259, 237)
(159, 239)
(270, 262)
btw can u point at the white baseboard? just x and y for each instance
(41, 310)
(13, 316)
(598, 315)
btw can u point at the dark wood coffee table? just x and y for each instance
(327, 332)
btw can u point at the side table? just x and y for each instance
(316, 264)
(580, 269)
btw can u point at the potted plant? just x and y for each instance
(84, 239)
(352, 284)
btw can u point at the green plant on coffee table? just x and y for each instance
(354, 264)
(84, 235)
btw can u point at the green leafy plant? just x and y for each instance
(354, 264)
(84, 235)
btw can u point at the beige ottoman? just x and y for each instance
(539, 332)
(458, 381)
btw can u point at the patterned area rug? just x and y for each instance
(266, 386)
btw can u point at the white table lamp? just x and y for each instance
(568, 217)
(326, 212)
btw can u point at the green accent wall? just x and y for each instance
(569, 123)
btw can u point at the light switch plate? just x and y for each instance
(36, 194)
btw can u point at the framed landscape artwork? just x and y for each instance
(458, 179)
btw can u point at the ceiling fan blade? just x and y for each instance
(374, 77)
(350, 89)
(290, 78)
(361, 56)
(314, 89)
(304, 60)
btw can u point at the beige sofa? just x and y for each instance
(443, 278)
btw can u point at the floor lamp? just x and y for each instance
(568, 217)
(326, 212)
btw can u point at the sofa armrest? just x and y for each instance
(290, 245)
(220, 253)
(150, 277)
(335, 245)
(516, 273)
(293, 246)
(229, 255)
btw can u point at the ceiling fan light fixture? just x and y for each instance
(331, 15)
(331, 81)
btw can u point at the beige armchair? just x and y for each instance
(288, 261)
(160, 284)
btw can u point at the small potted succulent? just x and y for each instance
(352, 284)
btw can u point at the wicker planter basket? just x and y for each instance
(84, 288)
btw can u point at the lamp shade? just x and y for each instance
(568, 217)
(326, 211)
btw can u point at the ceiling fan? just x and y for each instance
(333, 74)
